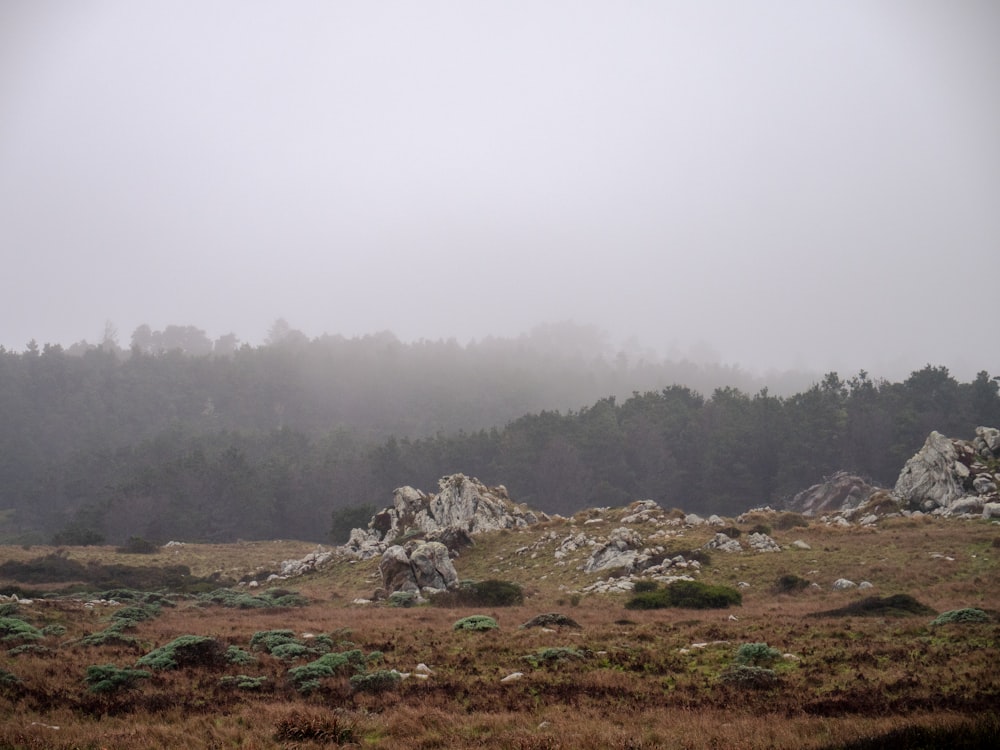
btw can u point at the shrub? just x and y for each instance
(236, 655)
(13, 629)
(756, 655)
(553, 655)
(268, 640)
(242, 682)
(731, 531)
(107, 678)
(263, 600)
(127, 617)
(790, 520)
(550, 619)
(77, 536)
(789, 584)
(8, 678)
(968, 614)
(644, 586)
(760, 528)
(687, 595)
(375, 682)
(292, 651)
(897, 605)
(187, 650)
(54, 629)
(489, 593)
(306, 677)
(749, 677)
(476, 622)
(402, 599)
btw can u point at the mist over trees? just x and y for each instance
(180, 437)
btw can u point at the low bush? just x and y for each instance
(745, 676)
(490, 593)
(268, 640)
(790, 520)
(375, 682)
(13, 629)
(644, 586)
(107, 678)
(968, 614)
(264, 600)
(897, 605)
(185, 651)
(553, 655)
(756, 655)
(551, 619)
(239, 657)
(476, 623)
(306, 678)
(242, 682)
(687, 595)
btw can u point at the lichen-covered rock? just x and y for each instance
(762, 543)
(724, 543)
(842, 491)
(619, 552)
(432, 567)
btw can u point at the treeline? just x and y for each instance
(278, 440)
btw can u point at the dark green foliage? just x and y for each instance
(239, 657)
(402, 599)
(744, 676)
(28, 648)
(131, 616)
(57, 568)
(645, 586)
(136, 545)
(243, 682)
(790, 583)
(687, 595)
(13, 630)
(375, 682)
(731, 531)
(268, 640)
(108, 637)
(292, 651)
(307, 677)
(547, 656)
(968, 614)
(551, 619)
(476, 623)
(264, 600)
(8, 678)
(490, 593)
(760, 528)
(54, 629)
(107, 678)
(897, 605)
(185, 651)
(756, 655)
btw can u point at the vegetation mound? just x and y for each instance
(476, 622)
(686, 595)
(549, 620)
(897, 605)
(490, 593)
(968, 614)
(57, 568)
(187, 650)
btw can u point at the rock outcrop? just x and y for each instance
(463, 507)
(842, 491)
(952, 477)
(424, 568)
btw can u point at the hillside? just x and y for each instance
(615, 677)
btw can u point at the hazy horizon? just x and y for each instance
(771, 185)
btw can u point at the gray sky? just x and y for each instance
(782, 184)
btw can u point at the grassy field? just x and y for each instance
(619, 678)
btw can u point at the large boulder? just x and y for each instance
(840, 492)
(620, 551)
(419, 568)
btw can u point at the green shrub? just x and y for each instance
(477, 623)
(645, 586)
(731, 531)
(28, 648)
(490, 593)
(756, 655)
(107, 678)
(746, 676)
(132, 616)
(242, 682)
(187, 650)
(760, 528)
(264, 600)
(108, 637)
(553, 655)
(292, 651)
(402, 599)
(687, 595)
(8, 678)
(239, 657)
(307, 676)
(790, 520)
(375, 682)
(54, 629)
(897, 605)
(968, 614)
(268, 640)
(13, 629)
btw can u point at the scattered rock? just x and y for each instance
(843, 584)
(799, 544)
(723, 543)
(762, 543)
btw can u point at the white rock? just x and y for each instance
(513, 677)
(842, 584)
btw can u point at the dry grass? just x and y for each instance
(643, 679)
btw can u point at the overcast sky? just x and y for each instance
(777, 183)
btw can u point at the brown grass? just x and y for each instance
(644, 680)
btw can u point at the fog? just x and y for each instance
(769, 184)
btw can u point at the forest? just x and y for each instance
(180, 438)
